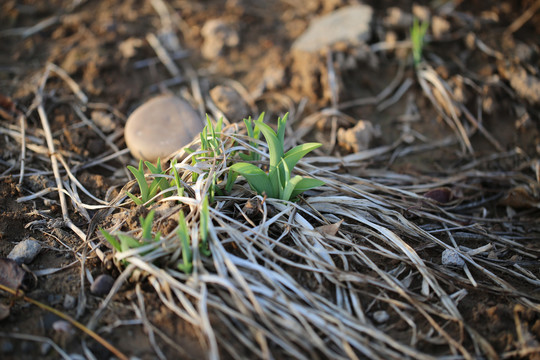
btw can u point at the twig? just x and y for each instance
(523, 18)
(163, 55)
(22, 121)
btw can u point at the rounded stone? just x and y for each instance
(25, 251)
(161, 126)
(102, 285)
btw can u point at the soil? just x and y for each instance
(102, 46)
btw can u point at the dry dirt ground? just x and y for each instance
(489, 56)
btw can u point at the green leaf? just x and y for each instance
(231, 178)
(306, 184)
(297, 153)
(257, 179)
(275, 147)
(281, 129)
(111, 239)
(177, 180)
(141, 180)
(154, 169)
(146, 225)
(183, 233)
(289, 187)
(274, 177)
(219, 125)
(135, 199)
(205, 220)
(127, 242)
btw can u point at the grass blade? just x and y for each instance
(111, 239)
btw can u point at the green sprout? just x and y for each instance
(183, 234)
(148, 191)
(176, 179)
(418, 33)
(123, 242)
(210, 143)
(204, 221)
(277, 183)
(254, 133)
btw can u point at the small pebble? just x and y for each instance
(25, 251)
(349, 25)
(69, 302)
(451, 258)
(63, 326)
(161, 126)
(381, 316)
(102, 285)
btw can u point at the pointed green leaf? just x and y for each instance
(135, 199)
(127, 242)
(297, 153)
(177, 181)
(154, 169)
(281, 129)
(289, 187)
(111, 239)
(306, 184)
(141, 180)
(204, 219)
(146, 225)
(231, 178)
(219, 125)
(275, 147)
(257, 179)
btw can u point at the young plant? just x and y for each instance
(176, 179)
(418, 33)
(183, 234)
(123, 242)
(254, 133)
(148, 191)
(210, 143)
(204, 221)
(185, 242)
(277, 183)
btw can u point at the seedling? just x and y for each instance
(254, 133)
(210, 143)
(183, 234)
(123, 242)
(148, 191)
(204, 221)
(176, 179)
(418, 33)
(277, 183)
(185, 242)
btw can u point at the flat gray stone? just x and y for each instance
(451, 258)
(161, 126)
(350, 24)
(25, 251)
